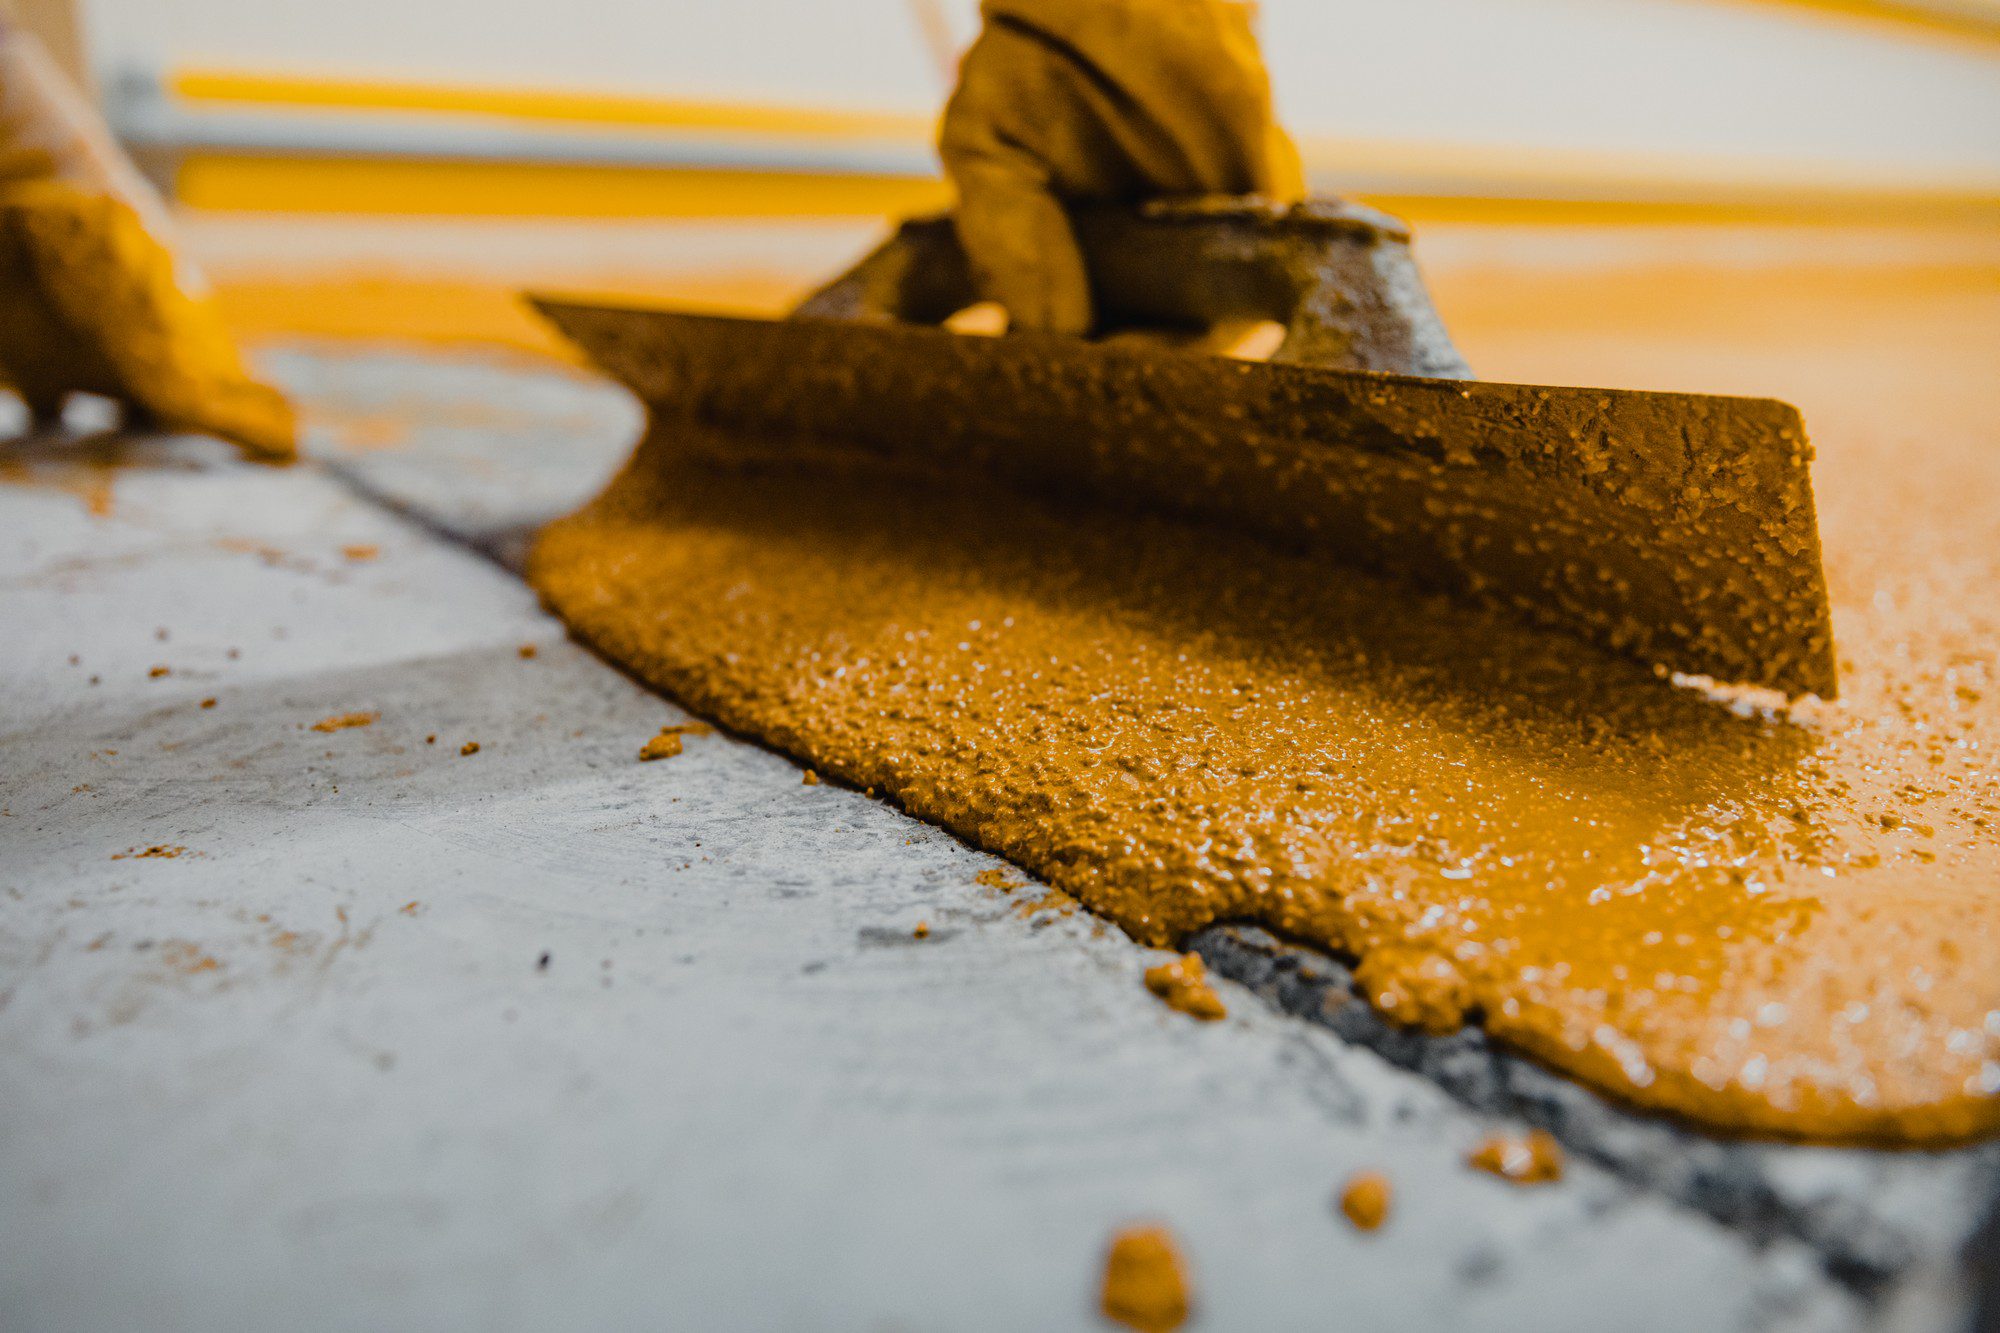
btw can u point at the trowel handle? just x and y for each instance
(1339, 277)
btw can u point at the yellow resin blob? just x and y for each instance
(1756, 917)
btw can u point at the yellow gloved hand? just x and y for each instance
(1068, 101)
(90, 302)
(92, 298)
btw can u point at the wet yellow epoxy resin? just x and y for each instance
(1756, 916)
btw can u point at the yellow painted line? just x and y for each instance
(258, 183)
(1652, 289)
(1980, 26)
(1902, 211)
(1548, 172)
(217, 87)
(250, 182)
(446, 310)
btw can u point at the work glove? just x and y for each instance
(1076, 101)
(92, 298)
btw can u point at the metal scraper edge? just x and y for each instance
(1678, 529)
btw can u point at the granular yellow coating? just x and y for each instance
(1756, 916)
(1145, 1286)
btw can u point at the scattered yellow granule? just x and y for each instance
(997, 878)
(361, 551)
(157, 850)
(1531, 1159)
(668, 743)
(342, 721)
(470, 747)
(922, 931)
(811, 779)
(410, 908)
(1365, 1200)
(208, 703)
(158, 672)
(1145, 1283)
(527, 650)
(1183, 984)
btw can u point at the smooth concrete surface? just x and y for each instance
(543, 1036)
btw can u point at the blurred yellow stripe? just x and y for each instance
(417, 308)
(255, 182)
(1425, 182)
(213, 87)
(270, 183)
(1978, 24)
(1886, 209)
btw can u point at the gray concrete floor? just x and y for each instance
(544, 1036)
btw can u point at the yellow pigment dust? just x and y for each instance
(343, 721)
(1145, 1283)
(1686, 900)
(1365, 1200)
(1183, 984)
(158, 850)
(1534, 1158)
(470, 747)
(668, 743)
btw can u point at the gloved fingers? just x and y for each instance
(1193, 81)
(1023, 251)
(1130, 98)
(1061, 102)
(1015, 140)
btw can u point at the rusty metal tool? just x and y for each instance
(1675, 528)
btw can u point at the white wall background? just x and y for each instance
(1704, 77)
